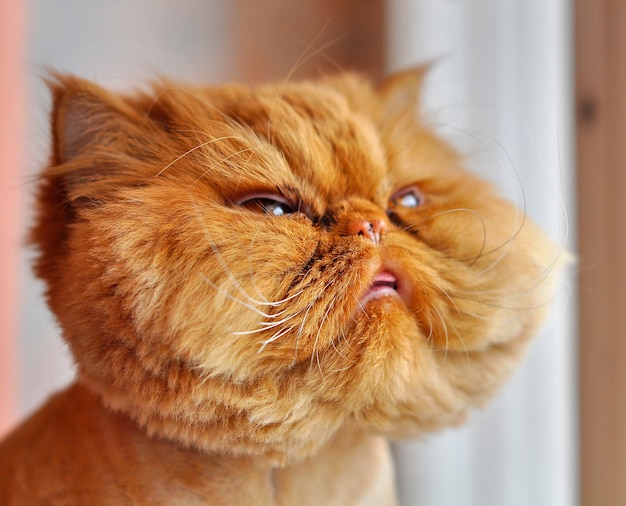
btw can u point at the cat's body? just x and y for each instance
(85, 454)
(258, 283)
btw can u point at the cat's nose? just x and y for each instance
(371, 230)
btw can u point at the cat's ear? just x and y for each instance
(85, 115)
(401, 92)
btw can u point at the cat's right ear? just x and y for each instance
(401, 92)
(85, 115)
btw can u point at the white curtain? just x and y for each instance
(500, 89)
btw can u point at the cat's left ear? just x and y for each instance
(401, 92)
(85, 115)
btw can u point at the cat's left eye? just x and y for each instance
(272, 205)
(408, 197)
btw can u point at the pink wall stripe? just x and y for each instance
(12, 180)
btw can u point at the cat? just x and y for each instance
(259, 286)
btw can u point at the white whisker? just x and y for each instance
(267, 325)
(195, 148)
(315, 353)
(238, 301)
(224, 159)
(275, 337)
(445, 329)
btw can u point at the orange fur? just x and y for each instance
(224, 353)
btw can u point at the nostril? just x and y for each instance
(370, 229)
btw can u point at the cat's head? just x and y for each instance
(251, 269)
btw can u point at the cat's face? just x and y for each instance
(251, 269)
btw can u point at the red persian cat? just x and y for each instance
(258, 286)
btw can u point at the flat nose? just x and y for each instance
(370, 229)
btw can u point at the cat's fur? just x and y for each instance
(228, 356)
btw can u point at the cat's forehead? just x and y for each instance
(327, 143)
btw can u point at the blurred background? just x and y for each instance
(508, 81)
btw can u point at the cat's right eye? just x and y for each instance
(270, 204)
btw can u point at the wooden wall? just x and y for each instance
(600, 34)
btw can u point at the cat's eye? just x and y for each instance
(407, 197)
(270, 204)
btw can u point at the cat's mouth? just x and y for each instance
(384, 284)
